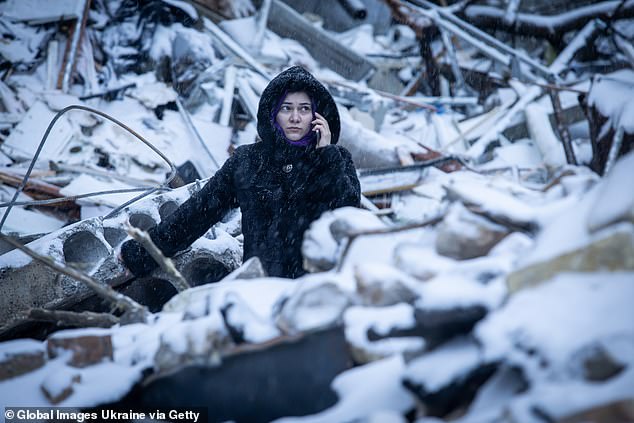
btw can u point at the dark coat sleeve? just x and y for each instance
(335, 180)
(188, 223)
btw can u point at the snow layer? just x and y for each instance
(97, 384)
(25, 222)
(544, 136)
(613, 95)
(566, 230)
(365, 390)
(438, 368)
(358, 320)
(19, 346)
(527, 320)
(619, 196)
(85, 184)
(259, 294)
(522, 334)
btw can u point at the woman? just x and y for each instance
(281, 184)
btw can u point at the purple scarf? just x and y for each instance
(306, 139)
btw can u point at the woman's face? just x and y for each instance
(295, 115)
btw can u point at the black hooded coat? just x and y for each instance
(278, 202)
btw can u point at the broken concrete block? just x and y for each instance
(90, 245)
(58, 385)
(447, 379)
(244, 324)
(197, 341)
(524, 328)
(312, 306)
(207, 299)
(351, 221)
(325, 237)
(601, 359)
(420, 261)
(208, 260)
(87, 347)
(611, 250)
(412, 208)
(20, 356)
(463, 235)
(448, 307)
(361, 322)
(492, 201)
(381, 285)
(29, 283)
(250, 269)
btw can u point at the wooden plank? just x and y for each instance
(36, 189)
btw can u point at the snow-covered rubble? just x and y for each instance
(495, 287)
(550, 334)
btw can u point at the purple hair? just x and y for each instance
(306, 139)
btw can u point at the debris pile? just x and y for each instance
(488, 276)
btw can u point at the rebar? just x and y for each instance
(105, 116)
(73, 197)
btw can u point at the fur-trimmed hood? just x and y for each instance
(295, 79)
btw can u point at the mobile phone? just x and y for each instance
(318, 133)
